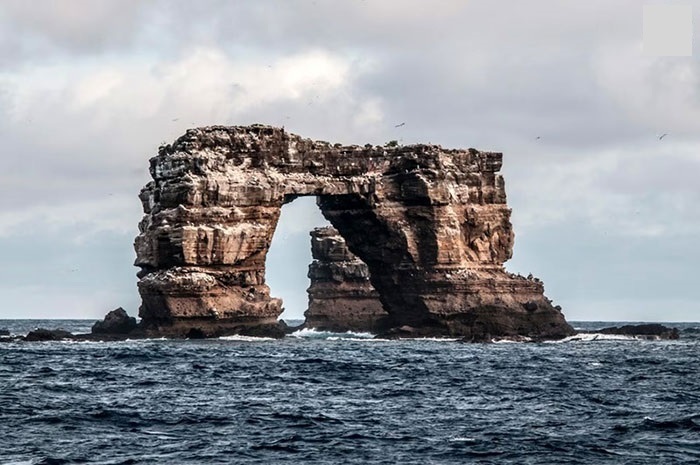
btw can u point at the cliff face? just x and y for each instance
(341, 297)
(431, 224)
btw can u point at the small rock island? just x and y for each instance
(420, 237)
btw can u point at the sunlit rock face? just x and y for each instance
(341, 297)
(431, 224)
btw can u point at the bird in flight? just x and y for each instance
(399, 125)
(538, 138)
(662, 136)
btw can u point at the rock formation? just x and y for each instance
(341, 297)
(431, 224)
(643, 331)
(115, 322)
(41, 334)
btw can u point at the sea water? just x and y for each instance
(329, 398)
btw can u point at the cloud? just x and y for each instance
(658, 93)
(89, 89)
(642, 190)
(88, 217)
(78, 25)
(89, 128)
(79, 136)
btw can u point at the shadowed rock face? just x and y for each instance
(431, 224)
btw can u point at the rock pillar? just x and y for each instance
(341, 297)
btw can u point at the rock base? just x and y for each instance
(201, 328)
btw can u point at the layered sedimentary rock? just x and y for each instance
(341, 297)
(431, 224)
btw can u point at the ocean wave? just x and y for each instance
(519, 340)
(313, 333)
(241, 338)
(405, 401)
(356, 339)
(591, 337)
(687, 423)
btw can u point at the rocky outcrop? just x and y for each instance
(41, 334)
(115, 322)
(341, 297)
(643, 331)
(431, 224)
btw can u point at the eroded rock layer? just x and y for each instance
(341, 297)
(431, 224)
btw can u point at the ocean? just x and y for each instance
(347, 398)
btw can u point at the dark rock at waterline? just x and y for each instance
(41, 334)
(407, 331)
(399, 332)
(115, 322)
(291, 329)
(650, 330)
(4, 332)
(276, 331)
(203, 329)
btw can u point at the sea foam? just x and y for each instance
(313, 333)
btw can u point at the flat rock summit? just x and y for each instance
(420, 235)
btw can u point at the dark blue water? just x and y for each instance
(346, 399)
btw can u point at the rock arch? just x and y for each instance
(431, 224)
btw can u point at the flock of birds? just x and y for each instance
(404, 123)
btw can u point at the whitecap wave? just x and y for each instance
(511, 340)
(313, 333)
(238, 337)
(74, 341)
(591, 337)
(356, 339)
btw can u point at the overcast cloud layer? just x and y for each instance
(605, 213)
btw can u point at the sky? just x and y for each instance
(604, 212)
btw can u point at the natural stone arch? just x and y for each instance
(431, 224)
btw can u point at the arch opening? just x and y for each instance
(289, 255)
